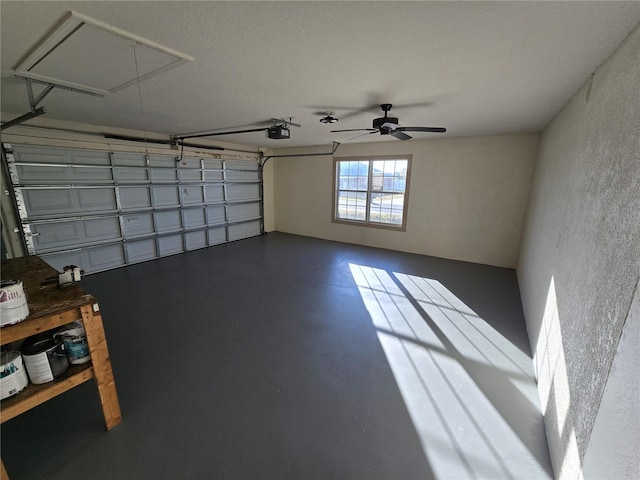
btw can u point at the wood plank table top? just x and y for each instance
(49, 305)
(43, 299)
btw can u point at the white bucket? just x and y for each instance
(13, 375)
(75, 342)
(13, 303)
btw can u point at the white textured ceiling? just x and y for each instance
(477, 68)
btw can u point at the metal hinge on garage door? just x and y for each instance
(102, 210)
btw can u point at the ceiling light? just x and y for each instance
(328, 118)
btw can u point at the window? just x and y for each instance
(372, 190)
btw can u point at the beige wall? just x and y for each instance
(468, 197)
(578, 269)
(268, 195)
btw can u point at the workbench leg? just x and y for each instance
(3, 472)
(97, 342)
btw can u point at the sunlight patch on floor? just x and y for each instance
(445, 359)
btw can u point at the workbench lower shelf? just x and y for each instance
(50, 308)
(34, 395)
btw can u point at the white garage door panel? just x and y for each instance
(244, 230)
(190, 170)
(89, 157)
(242, 176)
(61, 168)
(73, 234)
(192, 195)
(195, 240)
(244, 211)
(241, 165)
(92, 174)
(134, 197)
(158, 175)
(168, 221)
(212, 170)
(101, 210)
(165, 196)
(215, 215)
(101, 229)
(49, 236)
(243, 192)
(66, 201)
(105, 257)
(214, 175)
(170, 245)
(167, 170)
(35, 154)
(141, 250)
(48, 201)
(194, 217)
(46, 175)
(66, 174)
(124, 175)
(129, 167)
(217, 236)
(137, 224)
(96, 199)
(214, 193)
(97, 259)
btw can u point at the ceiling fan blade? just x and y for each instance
(355, 130)
(400, 135)
(363, 134)
(422, 129)
(390, 126)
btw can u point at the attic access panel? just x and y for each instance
(85, 53)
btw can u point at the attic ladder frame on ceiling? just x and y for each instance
(35, 100)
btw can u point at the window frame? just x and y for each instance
(367, 222)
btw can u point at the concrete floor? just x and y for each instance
(296, 358)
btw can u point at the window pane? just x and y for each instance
(397, 207)
(351, 205)
(386, 208)
(377, 176)
(353, 175)
(399, 176)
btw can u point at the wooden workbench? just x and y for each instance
(51, 307)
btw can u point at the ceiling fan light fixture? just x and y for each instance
(328, 118)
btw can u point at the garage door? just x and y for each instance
(101, 210)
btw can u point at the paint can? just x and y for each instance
(75, 342)
(13, 376)
(13, 303)
(44, 358)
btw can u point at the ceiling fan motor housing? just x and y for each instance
(378, 122)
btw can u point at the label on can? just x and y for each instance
(13, 302)
(13, 377)
(38, 368)
(77, 348)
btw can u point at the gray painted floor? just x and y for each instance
(290, 357)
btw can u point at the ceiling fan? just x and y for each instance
(389, 126)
